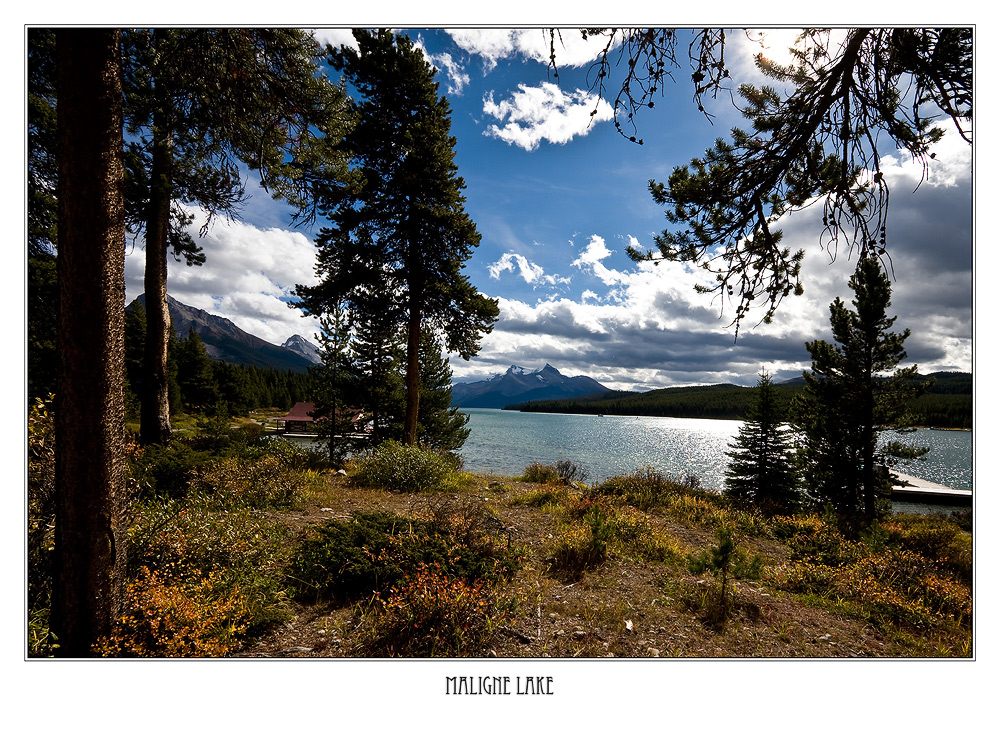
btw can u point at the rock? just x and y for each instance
(579, 634)
(653, 652)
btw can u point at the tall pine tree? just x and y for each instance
(853, 394)
(199, 102)
(398, 226)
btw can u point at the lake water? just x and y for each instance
(505, 442)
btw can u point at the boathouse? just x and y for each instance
(298, 420)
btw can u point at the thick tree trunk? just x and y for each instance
(90, 465)
(412, 375)
(155, 403)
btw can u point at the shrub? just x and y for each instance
(186, 541)
(167, 471)
(583, 546)
(400, 468)
(935, 537)
(41, 506)
(644, 488)
(234, 483)
(570, 472)
(199, 617)
(551, 496)
(431, 613)
(198, 537)
(372, 553)
(538, 473)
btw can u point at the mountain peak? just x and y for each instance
(226, 342)
(302, 346)
(519, 384)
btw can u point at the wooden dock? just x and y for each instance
(920, 490)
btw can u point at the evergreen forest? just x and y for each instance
(947, 403)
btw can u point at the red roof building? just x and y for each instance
(299, 419)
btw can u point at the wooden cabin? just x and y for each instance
(300, 419)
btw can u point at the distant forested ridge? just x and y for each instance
(948, 404)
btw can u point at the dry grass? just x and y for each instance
(627, 607)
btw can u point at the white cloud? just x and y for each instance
(454, 71)
(530, 272)
(336, 37)
(546, 112)
(493, 45)
(457, 78)
(248, 276)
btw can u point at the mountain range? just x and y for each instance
(226, 342)
(518, 385)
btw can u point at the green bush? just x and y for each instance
(372, 553)
(935, 537)
(539, 473)
(167, 470)
(400, 468)
(234, 483)
(41, 522)
(646, 488)
(725, 561)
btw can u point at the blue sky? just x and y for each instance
(557, 193)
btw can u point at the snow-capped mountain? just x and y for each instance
(302, 346)
(519, 385)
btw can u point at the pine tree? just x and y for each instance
(195, 375)
(760, 472)
(816, 135)
(378, 353)
(337, 382)
(398, 226)
(199, 102)
(853, 394)
(90, 469)
(441, 426)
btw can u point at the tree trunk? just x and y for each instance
(90, 466)
(155, 404)
(412, 375)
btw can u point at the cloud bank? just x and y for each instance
(248, 277)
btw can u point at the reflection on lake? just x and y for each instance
(505, 442)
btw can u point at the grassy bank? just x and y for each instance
(241, 545)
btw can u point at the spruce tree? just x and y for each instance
(398, 225)
(195, 375)
(760, 472)
(441, 426)
(853, 394)
(336, 381)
